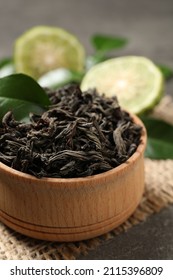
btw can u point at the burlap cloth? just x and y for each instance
(158, 195)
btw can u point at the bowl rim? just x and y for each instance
(116, 170)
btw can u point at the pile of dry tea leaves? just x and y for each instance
(80, 135)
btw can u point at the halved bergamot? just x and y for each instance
(136, 81)
(44, 48)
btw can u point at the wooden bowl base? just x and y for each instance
(66, 234)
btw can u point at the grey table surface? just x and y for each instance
(149, 27)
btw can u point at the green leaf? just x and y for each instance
(5, 61)
(20, 108)
(160, 139)
(6, 67)
(105, 43)
(94, 59)
(21, 94)
(7, 70)
(158, 149)
(166, 71)
(21, 86)
(60, 77)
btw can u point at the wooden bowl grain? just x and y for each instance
(72, 209)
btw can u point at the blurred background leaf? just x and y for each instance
(160, 139)
(104, 43)
(166, 71)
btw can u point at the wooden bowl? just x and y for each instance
(72, 209)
